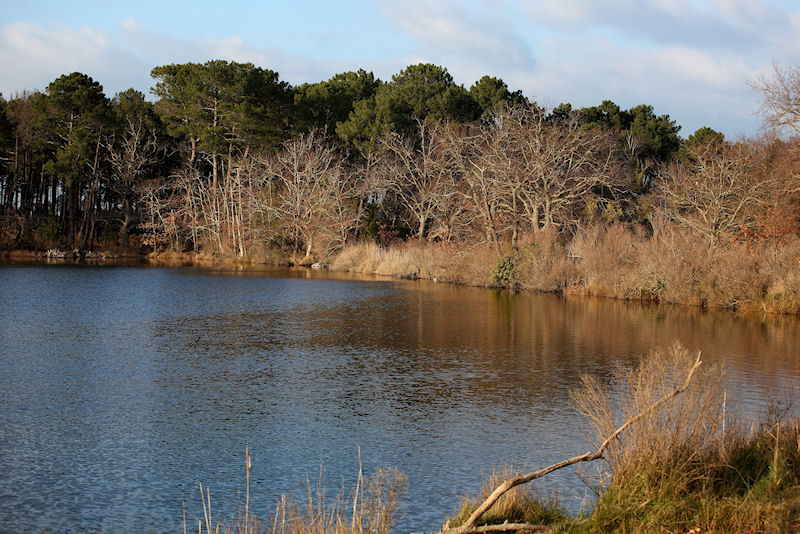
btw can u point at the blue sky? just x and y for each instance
(690, 59)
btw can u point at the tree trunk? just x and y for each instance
(421, 232)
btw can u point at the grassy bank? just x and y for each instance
(672, 266)
(692, 464)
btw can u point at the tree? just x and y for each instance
(306, 169)
(491, 93)
(222, 110)
(703, 136)
(420, 171)
(219, 106)
(780, 89)
(719, 191)
(644, 140)
(419, 92)
(76, 113)
(323, 105)
(135, 148)
(555, 165)
(6, 154)
(489, 191)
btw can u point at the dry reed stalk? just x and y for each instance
(469, 526)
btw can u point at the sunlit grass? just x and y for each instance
(369, 508)
(690, 466)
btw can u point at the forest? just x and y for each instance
(230, 161)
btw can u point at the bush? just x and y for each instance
(505, 274)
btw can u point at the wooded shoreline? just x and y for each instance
(416, 177)
(603, 262)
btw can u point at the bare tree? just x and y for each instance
(306, 168)
(483, 163)
(420, 171)
(781, 91)
(719, 191)
(558, 163)
(132, 154)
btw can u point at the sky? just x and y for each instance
(691, 59)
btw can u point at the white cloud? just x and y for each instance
(161, 50)
(721, 24)
(447, 32)
(695, 88)
(32, 57)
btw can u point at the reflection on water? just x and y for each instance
(124, 386)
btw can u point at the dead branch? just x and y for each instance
(468, 527)
(509, 527)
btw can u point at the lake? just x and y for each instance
(123, 387)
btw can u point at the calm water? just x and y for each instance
(123, 387)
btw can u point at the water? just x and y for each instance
(123, 387)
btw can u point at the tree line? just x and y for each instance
(230, 159)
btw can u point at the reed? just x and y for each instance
(369, 508)
(689, 466)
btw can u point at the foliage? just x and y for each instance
(505, 273)
(324, 105)
(492, 94)
(415, 94)
(645, 140)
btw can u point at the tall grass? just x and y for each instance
(441, 262)
(369, 508)
(689, 466)
(671, 265)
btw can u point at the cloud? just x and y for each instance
(694, 87)
(446, 31)
(32, 56)
(721, 24)
(161, 49)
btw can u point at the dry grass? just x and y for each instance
(545, 264)
(693, 418)
(441, 262)
(689, 465)
(676, 266)
(370, 508)
(673, 266)
(519, 505)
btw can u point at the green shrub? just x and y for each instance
(506, 272)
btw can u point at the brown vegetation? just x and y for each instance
(674, 265)
(596, 201)
(371, 508)
(679, 462)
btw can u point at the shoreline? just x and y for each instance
(405, 262)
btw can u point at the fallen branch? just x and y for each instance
(468, 527)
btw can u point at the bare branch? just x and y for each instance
(469, 527)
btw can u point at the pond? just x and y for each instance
(123, 387)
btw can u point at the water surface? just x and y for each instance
(123, 387)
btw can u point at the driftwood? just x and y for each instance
(468, 527)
